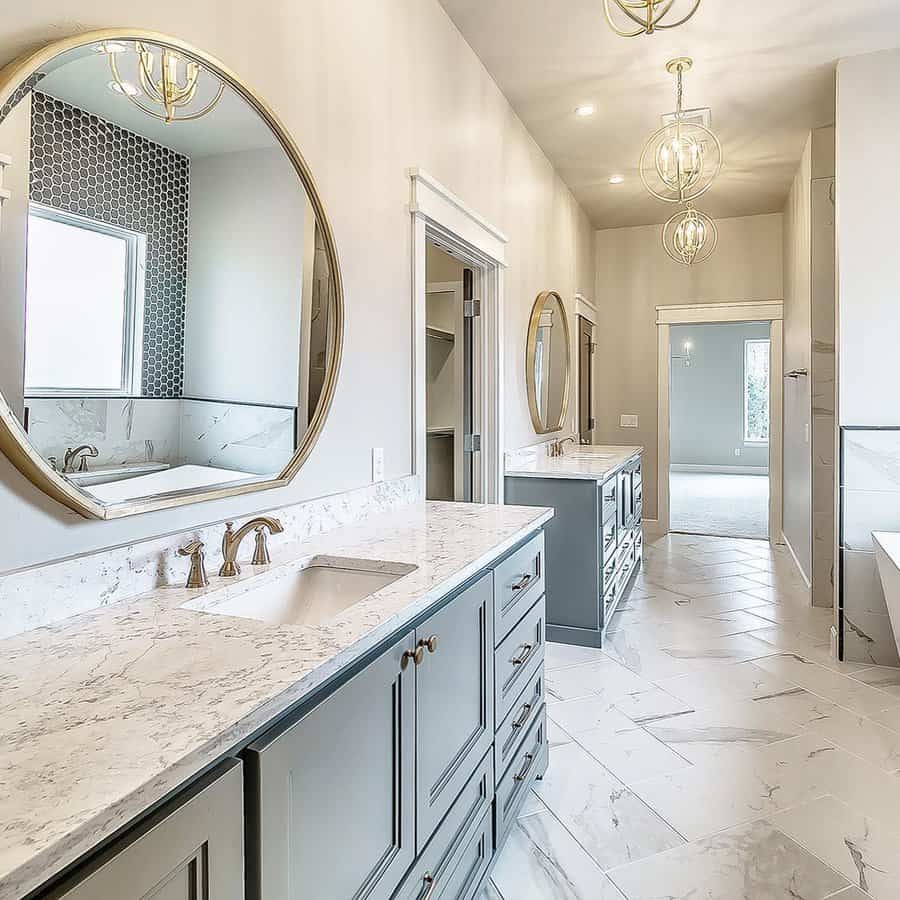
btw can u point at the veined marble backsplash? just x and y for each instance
(870, 501)
(516, 458)
(40, 596)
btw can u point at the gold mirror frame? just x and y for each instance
(530, 349)
(14, 442)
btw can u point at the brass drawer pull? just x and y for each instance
(521, 660)
(524, 716)
(523, 582)
(609, 540)
(429, 884)
(609, 498)
(522, 774)
(415, 656)
(431, 644)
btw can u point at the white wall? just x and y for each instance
(634, 276)
(707, 398)
(368, 88)
(797, 504)
(867, 137)
(245, 279)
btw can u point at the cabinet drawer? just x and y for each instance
(514, 727)
(518, 658)
(449, 846)
(608, 540)
(518, 582)
(608, 496)
(529, 762)
(470, 871)
(638, 494)
(192, 849)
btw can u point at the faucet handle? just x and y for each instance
(197, 577)
(261, 551)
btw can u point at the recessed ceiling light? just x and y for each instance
(616, 179)
(126, 87)
(584, 111)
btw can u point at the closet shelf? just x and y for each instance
(440, 334)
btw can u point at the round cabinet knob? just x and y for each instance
(415, 656)
(431, 644)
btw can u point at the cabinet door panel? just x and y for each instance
(454, 701)
(332, 814)
(191, 850)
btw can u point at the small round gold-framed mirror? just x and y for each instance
(172, 318)
(548, 363)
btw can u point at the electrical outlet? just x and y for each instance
(378, 464)
(628, 421)
(737, 451)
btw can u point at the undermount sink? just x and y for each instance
(314, 594)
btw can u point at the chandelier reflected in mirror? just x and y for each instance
(690, 236)
(166, 83)
(630, 18)
(682, 159)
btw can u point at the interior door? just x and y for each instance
(471, 440)
(585, 381)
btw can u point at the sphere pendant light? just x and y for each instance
(634, 17)
(690, 236)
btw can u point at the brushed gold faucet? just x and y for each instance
(555, 448)
(79, 455)
(197, 576)
(231, 543)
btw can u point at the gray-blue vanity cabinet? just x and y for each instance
(191, 849)
(594, 545)
(331, 799)
(454, 701)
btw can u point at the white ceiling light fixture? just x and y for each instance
(616, 179)
(630, 18)
(681, 160)
(690, 236)
(584, 112)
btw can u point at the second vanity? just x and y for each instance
(185, 744)
(595, 543)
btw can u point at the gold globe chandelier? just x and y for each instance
(690, 236)
(634, 17)
(681, 160)
(166, 85)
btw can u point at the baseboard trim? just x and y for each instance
(720, 470)
(651, 526)
(787, 544)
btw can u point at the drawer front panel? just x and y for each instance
(608, 539)
(518, 582)
(528, 763)
(469, 872)
(518, 658)
(608, 500)
(514, 727)
(451, 841)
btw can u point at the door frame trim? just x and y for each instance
(771, 311)
(439, 215)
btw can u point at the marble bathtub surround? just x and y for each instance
(774, 776)
(106, 713)
(31, 598)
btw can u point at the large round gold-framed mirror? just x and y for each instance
(548, 363)
(172, 316)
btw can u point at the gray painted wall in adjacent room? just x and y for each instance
(707, 401)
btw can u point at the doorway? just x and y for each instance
(719, 429)
(452, 438)
(586, 347)
(757, 371)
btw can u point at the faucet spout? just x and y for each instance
(231, 542)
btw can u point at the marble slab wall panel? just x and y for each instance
(870, 501)
(30, 598)
(524, 455)
(123, 430)
(255, 439)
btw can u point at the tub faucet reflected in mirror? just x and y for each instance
(79, 455)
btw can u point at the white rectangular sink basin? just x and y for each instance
(313, 594)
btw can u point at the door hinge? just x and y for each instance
(591, 424)
(472, 443)
(471, 308)
(593, 347)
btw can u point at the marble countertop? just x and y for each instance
(106, 713)
(593, 463)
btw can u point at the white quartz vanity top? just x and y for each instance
(594, 463)
(889, 541)
(105, 713)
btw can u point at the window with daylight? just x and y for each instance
(756, 392)
(83, 306)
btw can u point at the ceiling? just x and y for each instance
(765, 67)
(81, 78)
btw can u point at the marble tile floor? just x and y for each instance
(713, 750)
